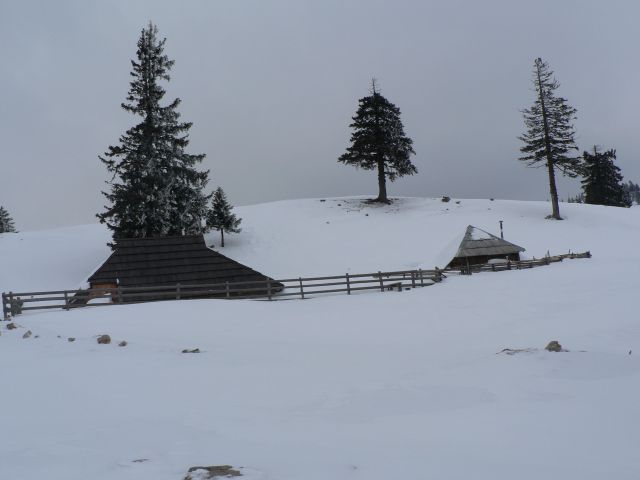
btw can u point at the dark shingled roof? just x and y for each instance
(160, 261)
(477, 242)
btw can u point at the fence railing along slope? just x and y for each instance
(14, 303)
(515, 265)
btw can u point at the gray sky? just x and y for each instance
(271, 85)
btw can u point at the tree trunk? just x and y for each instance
(222, 237)
(382, 184)
(555, 206)
(553, 190)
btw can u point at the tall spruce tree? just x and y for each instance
(378, 141)
(220, 217)
(602, 184)
(549, 138)
(6, 222)
(156, 189)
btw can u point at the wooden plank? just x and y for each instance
(5, 310)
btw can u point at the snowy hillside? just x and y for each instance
(314, 237)
(376, 386)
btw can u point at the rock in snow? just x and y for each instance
(554, 346)
(216, 471)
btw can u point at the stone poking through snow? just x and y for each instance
(27, 334)
(123, 343)
(71, 339)
(11, 326)
(554, 346)
(104, 339)
(215, 471)
(195, 350)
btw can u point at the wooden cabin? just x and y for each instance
(172, 261)
(478, 247)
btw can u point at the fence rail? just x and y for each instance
(515, 265)
(14, 303)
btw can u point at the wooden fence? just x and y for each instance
(515, 265)
(14, 303)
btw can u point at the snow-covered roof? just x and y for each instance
(477, 242)
(160, 261)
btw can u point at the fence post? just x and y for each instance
(421, 277)
(66, 300)
(5, 312)
(11, 303)
(413, 279)
(301, 289)
(178, 291)
(381, 284)
(120, 294)
(348, 284)
(269, 289)
(226, 284)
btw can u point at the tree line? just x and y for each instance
(549, 141)
(378, 142)
(156, 188)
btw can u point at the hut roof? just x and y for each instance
(477, 242)
(168, 261)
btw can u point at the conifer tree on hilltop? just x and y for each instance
(220, 217)
(6, 222)
(378, 141)
(602, 184)
(155, 189)
(549, 137)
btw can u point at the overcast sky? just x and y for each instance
(270, 86)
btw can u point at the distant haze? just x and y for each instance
(271, 86)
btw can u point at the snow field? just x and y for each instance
(377, 386)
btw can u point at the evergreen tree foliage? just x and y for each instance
(6, 222)
(219, 216)
(156, 189)
(549, 138)
(378, 141)
(602, 184)
(632, 191)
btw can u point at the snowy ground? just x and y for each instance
(378, 386)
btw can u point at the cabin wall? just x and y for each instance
(99, 289)
(481, 259)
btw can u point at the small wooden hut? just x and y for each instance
(478, 247)
(172, 261)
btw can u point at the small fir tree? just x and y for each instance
(602, 184)
(378, 141)
(220, 217)
(632, 191)
(549, 138)
(155, 189)
(6, 222)
(579, 198)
